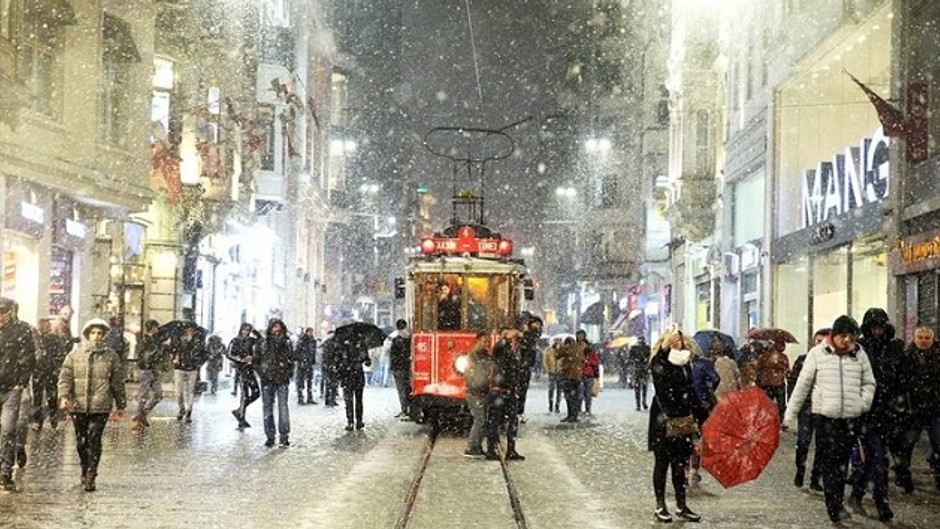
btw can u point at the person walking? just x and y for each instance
(91, 384)
(17, 361)
(838, 376)
(477, 374)
(705, 381)
(330, 371)
(551, 366)
(885, 423)
(399, 353)
(922, 378)
(672, 423)
(804, 422)
(502, 401)
(45, 398)
(188, 351)
(639, 359)
(216, 350)
(306, 350)
(241, 352)
(150, 358)
(352, 354)
(275, 364)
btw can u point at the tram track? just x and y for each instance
(411, 498)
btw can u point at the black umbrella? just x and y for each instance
(172, 330)
(371, 335)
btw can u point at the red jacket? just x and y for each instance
(591, 361)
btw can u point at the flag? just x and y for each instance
(891, 118)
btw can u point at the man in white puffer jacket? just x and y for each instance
(840, 377)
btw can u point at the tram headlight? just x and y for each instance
(461, 363)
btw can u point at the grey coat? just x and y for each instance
(93, 380)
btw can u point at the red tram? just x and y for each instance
(465, 282)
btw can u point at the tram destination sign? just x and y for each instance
(466, 242)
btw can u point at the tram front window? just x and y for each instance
(459, 302)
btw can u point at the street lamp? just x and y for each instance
(597, 144)
(566, 192)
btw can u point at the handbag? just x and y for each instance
(596, 387)
(681, 426)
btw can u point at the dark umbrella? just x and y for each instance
(740, 436)
(706, 337)
(371, 335)
(174, 329)
(772, 334)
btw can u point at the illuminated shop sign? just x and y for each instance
(75, 228)
(32, 212)
(911, 252)
(850, 180)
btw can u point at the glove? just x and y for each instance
(368, 362)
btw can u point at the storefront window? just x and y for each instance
(703, 305)
(830, 286)
(869, 276)
(791, 297)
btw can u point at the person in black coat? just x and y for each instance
(241, 352)
(921, 376)
(351, 355)
(528, 348)
(503, 399)
(671, 370)
(275, 365)
(884, 425)
(306, 359)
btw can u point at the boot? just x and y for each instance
(310, 400)
(884, 512)
(90, 482)
(800, 475)
(511, 453)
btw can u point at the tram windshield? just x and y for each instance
(463, 302)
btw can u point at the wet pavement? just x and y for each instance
(207, 474)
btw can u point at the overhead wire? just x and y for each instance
(476, 62)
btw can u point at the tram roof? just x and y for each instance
(462, 265)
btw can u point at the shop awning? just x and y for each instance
(594, 314)
(118, 40)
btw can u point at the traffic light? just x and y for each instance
(399, 287)
(422, 189)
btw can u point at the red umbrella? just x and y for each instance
(772, 334)
(740, 436)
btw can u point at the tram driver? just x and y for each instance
(448, 308)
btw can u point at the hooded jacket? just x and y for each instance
(92, 378)
(275, 361)
(886, 355)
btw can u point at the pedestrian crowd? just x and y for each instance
(865, 396)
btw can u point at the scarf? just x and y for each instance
(679, 357)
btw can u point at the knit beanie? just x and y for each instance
(845, 325)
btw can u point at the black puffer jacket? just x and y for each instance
(17, 354)
(508, 369)
(886, 356)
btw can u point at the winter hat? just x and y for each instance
(845, 325)
(95, 322)
(7, 304)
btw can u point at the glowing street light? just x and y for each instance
(566, 192)
(597, 144)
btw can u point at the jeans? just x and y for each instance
(834, 438)
(640, 386)
(403, 387)
(270, 391)
(9, 414)
(213, 381)
(554, 392)
(150, 391)
(88, 430)
(185, 382)
(572, 388)
(804, 436)
(932, 425)
(353, 386)
(872, 469)
(304, 382)
(477, 405)
(250, 389)
(586, 385)
(501, 405)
